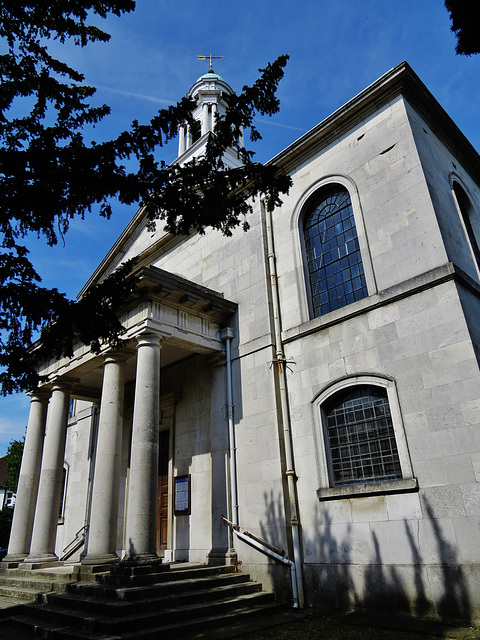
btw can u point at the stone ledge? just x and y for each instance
(408, 485)
(433, 278)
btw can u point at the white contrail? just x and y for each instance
(279, 124)
(142, 96)
(132, 94)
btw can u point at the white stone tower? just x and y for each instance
(208, 91)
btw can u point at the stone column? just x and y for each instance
(141, 525)
(205, 123)
(181, 140)
(22, 524)
(102, 532)
(50, 485)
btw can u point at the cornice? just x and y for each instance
(401, 81)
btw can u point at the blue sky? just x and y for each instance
(336, 49)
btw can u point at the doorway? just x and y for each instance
(163, 492)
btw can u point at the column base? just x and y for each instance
(41, 558)
(92, 570)
(100, 558)
(4, 566)
(15, 557)
(31, 566)
(221, 557)
(141, 558)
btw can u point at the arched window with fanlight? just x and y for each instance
(334, 265)
(467, 213)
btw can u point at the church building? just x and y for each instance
(301, 400)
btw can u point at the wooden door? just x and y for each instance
(162, 508)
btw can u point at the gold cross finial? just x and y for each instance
(210, 57)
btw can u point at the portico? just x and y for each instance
(168, 321)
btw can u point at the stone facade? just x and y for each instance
(208, 305)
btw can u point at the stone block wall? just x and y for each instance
(412, 546)
(441, 168)
(80, 440)
(412, 550)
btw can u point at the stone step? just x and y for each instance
(29, 590)
(125, 593)
(142, 569)
(175, 602)
(34, 583)
(59, 575)
(52, 630)
(151, 601)
(18, 593)
(175, 623)
(28, 586)
(122, 578)
(198, 629)
(38, 576)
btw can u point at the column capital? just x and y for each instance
(154, 339)
(64, 384)
(39, 395)
(115, 356)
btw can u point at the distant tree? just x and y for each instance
(10, 483)
(14, 460)
(6, 515)
(465, 16)
(49, 174)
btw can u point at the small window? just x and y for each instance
(72, 406)
(334, 263)
(360, 436)
(196, 131)
(466, 211)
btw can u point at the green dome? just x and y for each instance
(210, 76)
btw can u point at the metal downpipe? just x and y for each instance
(227, 336)
(287, 435)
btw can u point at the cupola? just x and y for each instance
(208, 91)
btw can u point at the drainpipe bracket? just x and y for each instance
(227, 333)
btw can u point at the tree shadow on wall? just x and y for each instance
(455, 601)
(406, 584)
(273, 530)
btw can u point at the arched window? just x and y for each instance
(196, 131)
(466, 211)
(360, 436)
(334, 263)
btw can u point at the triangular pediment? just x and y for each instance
(136, 241)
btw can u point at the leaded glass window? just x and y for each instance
(466, 211)
(361, 437)
(334, 262)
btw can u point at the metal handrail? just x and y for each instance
(77, 542)
(269, 550)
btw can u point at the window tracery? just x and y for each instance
(334, 263)
(360, 436)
